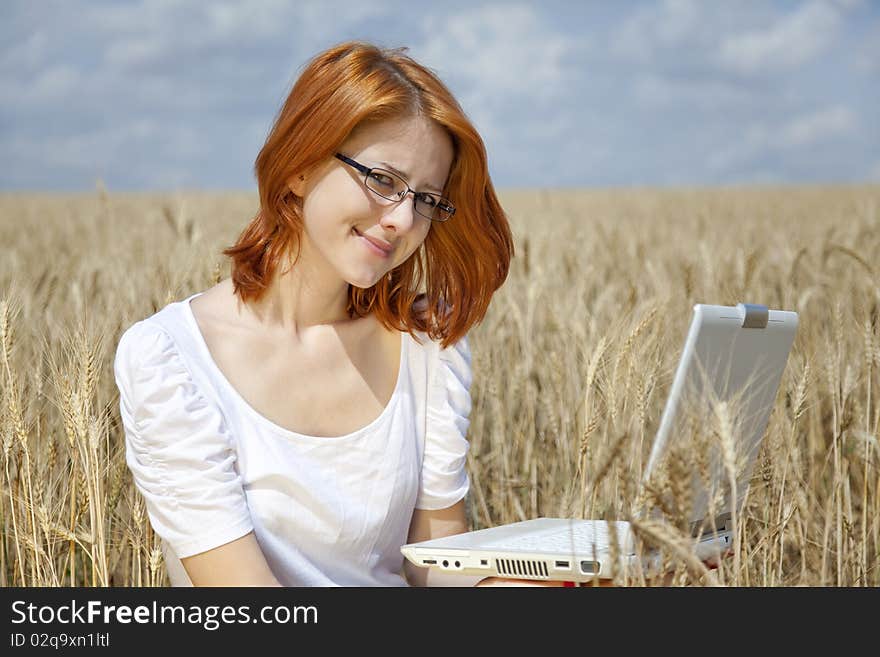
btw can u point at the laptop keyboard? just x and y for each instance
(582, 537)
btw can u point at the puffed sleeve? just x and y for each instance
(444, 475)
(177, 446)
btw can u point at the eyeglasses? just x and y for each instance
(390, 186)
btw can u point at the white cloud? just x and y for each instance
(49, 85)
(657, 91)
(512, 72)
(502, 50)
(592, 92)
(866, 55)
(791, 41)
(163, 54)
(728, 38)
(260, 19)
(134, 51)
(760, 139)
(663, 25)
(28, 54)
(829, 123)
(112, 145)
(849, 5)
(200, 23)
(143, 33)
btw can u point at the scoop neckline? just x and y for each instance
(262, 419)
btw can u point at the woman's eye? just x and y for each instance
(428, 200)
(382, 179)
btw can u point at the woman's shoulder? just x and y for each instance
(160, 331)
(161, 343)
(160, 384)
(451, 361)
(145, 353)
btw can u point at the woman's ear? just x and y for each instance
(298, 185)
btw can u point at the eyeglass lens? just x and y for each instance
(390, 186)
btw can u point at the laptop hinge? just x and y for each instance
(753, 315)
(707, 527)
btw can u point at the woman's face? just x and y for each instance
(340, 212)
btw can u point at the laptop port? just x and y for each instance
(563, 564)
(429, 561)
(590, 567)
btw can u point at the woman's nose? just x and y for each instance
(401, 215)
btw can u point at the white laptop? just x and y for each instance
(732, 355)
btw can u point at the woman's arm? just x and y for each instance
(426, 525)
(237, 563)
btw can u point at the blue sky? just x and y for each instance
(173, 95)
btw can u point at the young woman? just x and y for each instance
(297, 423)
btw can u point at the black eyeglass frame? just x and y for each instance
(442, 204)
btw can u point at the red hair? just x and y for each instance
(462, 261)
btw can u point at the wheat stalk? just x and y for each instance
(811, 514)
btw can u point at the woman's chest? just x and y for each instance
(332, 389)
(355, 494)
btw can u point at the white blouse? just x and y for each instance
(326, 511)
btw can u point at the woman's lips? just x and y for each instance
(374, 247)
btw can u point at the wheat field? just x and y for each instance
(572, 367)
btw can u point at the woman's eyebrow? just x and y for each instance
(405, 175)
